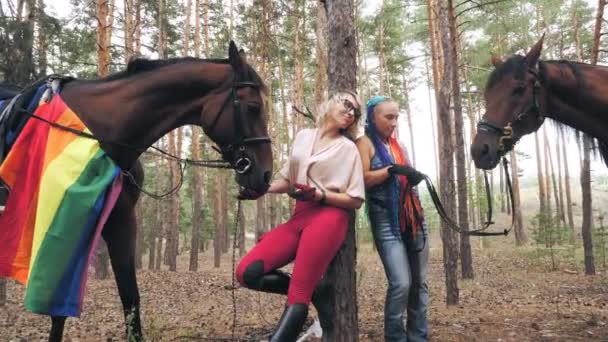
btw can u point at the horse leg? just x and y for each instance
(119, 234)
(56, 334)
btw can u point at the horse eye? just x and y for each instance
(253, 109)
(519, 91)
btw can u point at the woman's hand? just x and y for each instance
(413, 176)
(302, 192)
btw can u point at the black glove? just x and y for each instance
(413, 176)
(302, 192)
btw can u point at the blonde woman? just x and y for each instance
(324, 175)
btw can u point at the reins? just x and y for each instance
(481, 231)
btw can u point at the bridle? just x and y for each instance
(235, 152)
(505, 133)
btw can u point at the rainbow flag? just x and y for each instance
(62, 189)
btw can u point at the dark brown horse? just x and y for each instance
(523, 90)
(130, 110)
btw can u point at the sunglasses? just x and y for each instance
(349, 106)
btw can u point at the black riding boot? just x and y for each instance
(278, 282)
(290, 325)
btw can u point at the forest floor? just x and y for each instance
(514, 297)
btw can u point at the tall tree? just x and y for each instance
(466, 257)
(196, 173)
(446, 152)
(567, 183)
(520, 234)
(587, 225)
(342, 75)
(104, 12)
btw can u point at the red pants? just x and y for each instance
(311, 237)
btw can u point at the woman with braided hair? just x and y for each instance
(324, 175)
(397, 222)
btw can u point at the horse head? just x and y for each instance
(513, 100)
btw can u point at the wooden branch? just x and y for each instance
(479, 6)
(462, 3)
(308, 114)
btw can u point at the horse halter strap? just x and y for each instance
(506, 133)
(235, 152)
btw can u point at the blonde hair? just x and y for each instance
(325, 106)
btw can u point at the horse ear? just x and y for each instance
(534, 54)
(243, 55)
(233, 56)
(496, 60)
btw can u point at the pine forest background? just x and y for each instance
(432, 56)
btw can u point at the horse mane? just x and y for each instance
(142, 65)
(576, 68)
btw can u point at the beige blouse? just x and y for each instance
(337, 167)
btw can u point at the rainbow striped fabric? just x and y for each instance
(63, 187)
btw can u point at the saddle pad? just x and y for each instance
(62, 189)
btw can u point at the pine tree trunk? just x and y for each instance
(197, 199)
(567, 185)
(502, 187)
(446, 157)
(408, 116)
(553, 182)
(260, 224)
(548, 207)
(224, 217)
(466, 257)
(104, 29)
(217, 238)
(42, 39)
(22, 69)
(242, 231)
(196, 177)
(541, 181)
(587, 226)
(342, 75)
(140, 243)
(520, 233)
(597, 33)
(129, 31)
(321, 54)
(381, 59)
(432, 15)
(559, 189)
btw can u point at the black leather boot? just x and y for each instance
(291, 323)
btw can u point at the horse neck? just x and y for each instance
(576, 95)
(138, 110)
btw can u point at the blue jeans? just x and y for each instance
(405, 263)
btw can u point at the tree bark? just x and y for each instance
(567, 184)
(42, 39)
(446, 156)
(559, 188)
(260, 223)
(218, 238)
(597, 31)
(466, 257)
(104, 30)
(540, 177)
(587, 226)
(342, 75)
(321, 54)
(520, 234)
(408, 115)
